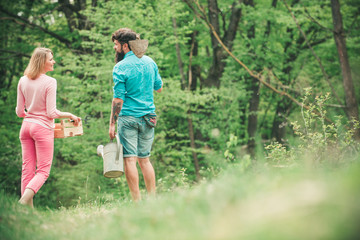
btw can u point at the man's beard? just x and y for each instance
(119, 56)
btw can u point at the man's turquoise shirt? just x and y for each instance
(135, 80)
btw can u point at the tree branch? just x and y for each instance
(194, 10)
(233, 24)
(315, 21)
(12, 19)
(213, 18)
(352, 24)
(315, 55)
(67, 42)
(315, 43)
(47, 13)
(15, 53)
(259, 77)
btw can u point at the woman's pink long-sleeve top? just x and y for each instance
(36, 100)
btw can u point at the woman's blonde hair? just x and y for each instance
(37, 62)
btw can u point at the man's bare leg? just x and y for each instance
(149, 175)
(132, 177)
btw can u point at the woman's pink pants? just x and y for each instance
(37, 143)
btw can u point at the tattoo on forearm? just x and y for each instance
(116, 111)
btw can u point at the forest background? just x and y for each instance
(269, 89)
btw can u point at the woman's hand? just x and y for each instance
(75, 119)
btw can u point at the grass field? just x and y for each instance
(261, 202)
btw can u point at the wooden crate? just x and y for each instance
(66, 129)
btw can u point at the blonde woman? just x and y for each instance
(36, 103)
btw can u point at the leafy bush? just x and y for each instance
(319, 141)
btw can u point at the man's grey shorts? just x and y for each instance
(135, 136)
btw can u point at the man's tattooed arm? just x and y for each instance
(115, 110)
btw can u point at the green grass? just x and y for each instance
(262, 202)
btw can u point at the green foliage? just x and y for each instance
(219, 116)
(214, 115)
(10, 154)
(231, 143)
(320, 142)
(277, 153)
(260, 203)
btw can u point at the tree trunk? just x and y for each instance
(74, 17)
(194, 69)
(219, 55)
(193, 147)
(255, 95)
(192, 80)
(279, 122)
(254, 100)
(292, 52)
(178, 54)
(253, 116)
(339, 35)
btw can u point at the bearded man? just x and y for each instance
(135, 77)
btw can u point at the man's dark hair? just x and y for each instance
(124, 35)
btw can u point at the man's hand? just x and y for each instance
(115, 111)
(112, 131)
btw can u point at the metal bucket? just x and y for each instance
(112, 154)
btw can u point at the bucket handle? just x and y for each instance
(118, 149)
